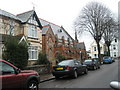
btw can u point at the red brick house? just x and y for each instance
(60, 42)
(48, 41)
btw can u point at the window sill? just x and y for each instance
(33, 38)
(32, 59)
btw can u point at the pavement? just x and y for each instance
(46, 77)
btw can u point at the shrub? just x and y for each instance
(42, 59)
(15, 52)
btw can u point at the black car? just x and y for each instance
(92, 64)
(69, 68)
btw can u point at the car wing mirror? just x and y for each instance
(115, 85)
(18, 71)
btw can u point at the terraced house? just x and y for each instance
(26, 25)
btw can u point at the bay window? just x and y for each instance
(33, 52)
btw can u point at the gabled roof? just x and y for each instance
(26, 16)
(67, 33)
(56, 29)
(23, 17)
(7, 14)
(44, 30)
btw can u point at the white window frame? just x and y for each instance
(33, 52)
(32, 31)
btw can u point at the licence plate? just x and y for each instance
(59, 68)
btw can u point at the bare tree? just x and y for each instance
(93, 19)
(110, 33)
(8, 26)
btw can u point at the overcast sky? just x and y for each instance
(60, 12)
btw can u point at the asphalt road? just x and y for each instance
(94, 79)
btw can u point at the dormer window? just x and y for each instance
(60, 30)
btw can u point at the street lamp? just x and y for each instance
(81, 56)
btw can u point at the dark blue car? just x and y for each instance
(92, 64)
(107, 59)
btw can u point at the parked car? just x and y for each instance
(13, 77)
(107, 59)
(98, 60)
(92, 64)
(113, 59)
(69, 68)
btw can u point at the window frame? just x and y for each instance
(32, 31)
(33, 52)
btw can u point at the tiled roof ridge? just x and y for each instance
(24, 12)
(49, 22)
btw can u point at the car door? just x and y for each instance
(76, 65)
(79, 66)
(9, 78)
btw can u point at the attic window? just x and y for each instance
(59, 30)
(115, 40)
(33, 20)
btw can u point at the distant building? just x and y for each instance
(114, 48)
(94, 50)
(89, 54)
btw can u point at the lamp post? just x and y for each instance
(81, 56)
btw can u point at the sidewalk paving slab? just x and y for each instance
(46, 77)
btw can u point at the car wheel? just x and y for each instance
(98, 67)
(86, 71)
(94, 67)
(32, 85)
(75, 75)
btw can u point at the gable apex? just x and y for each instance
(27, 15)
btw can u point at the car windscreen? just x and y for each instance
(87, 61)
(65, 63)
(106, 57)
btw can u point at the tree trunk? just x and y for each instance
(108, 43)
(99, 53)
(108, 52)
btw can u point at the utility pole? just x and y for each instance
(119, 29)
